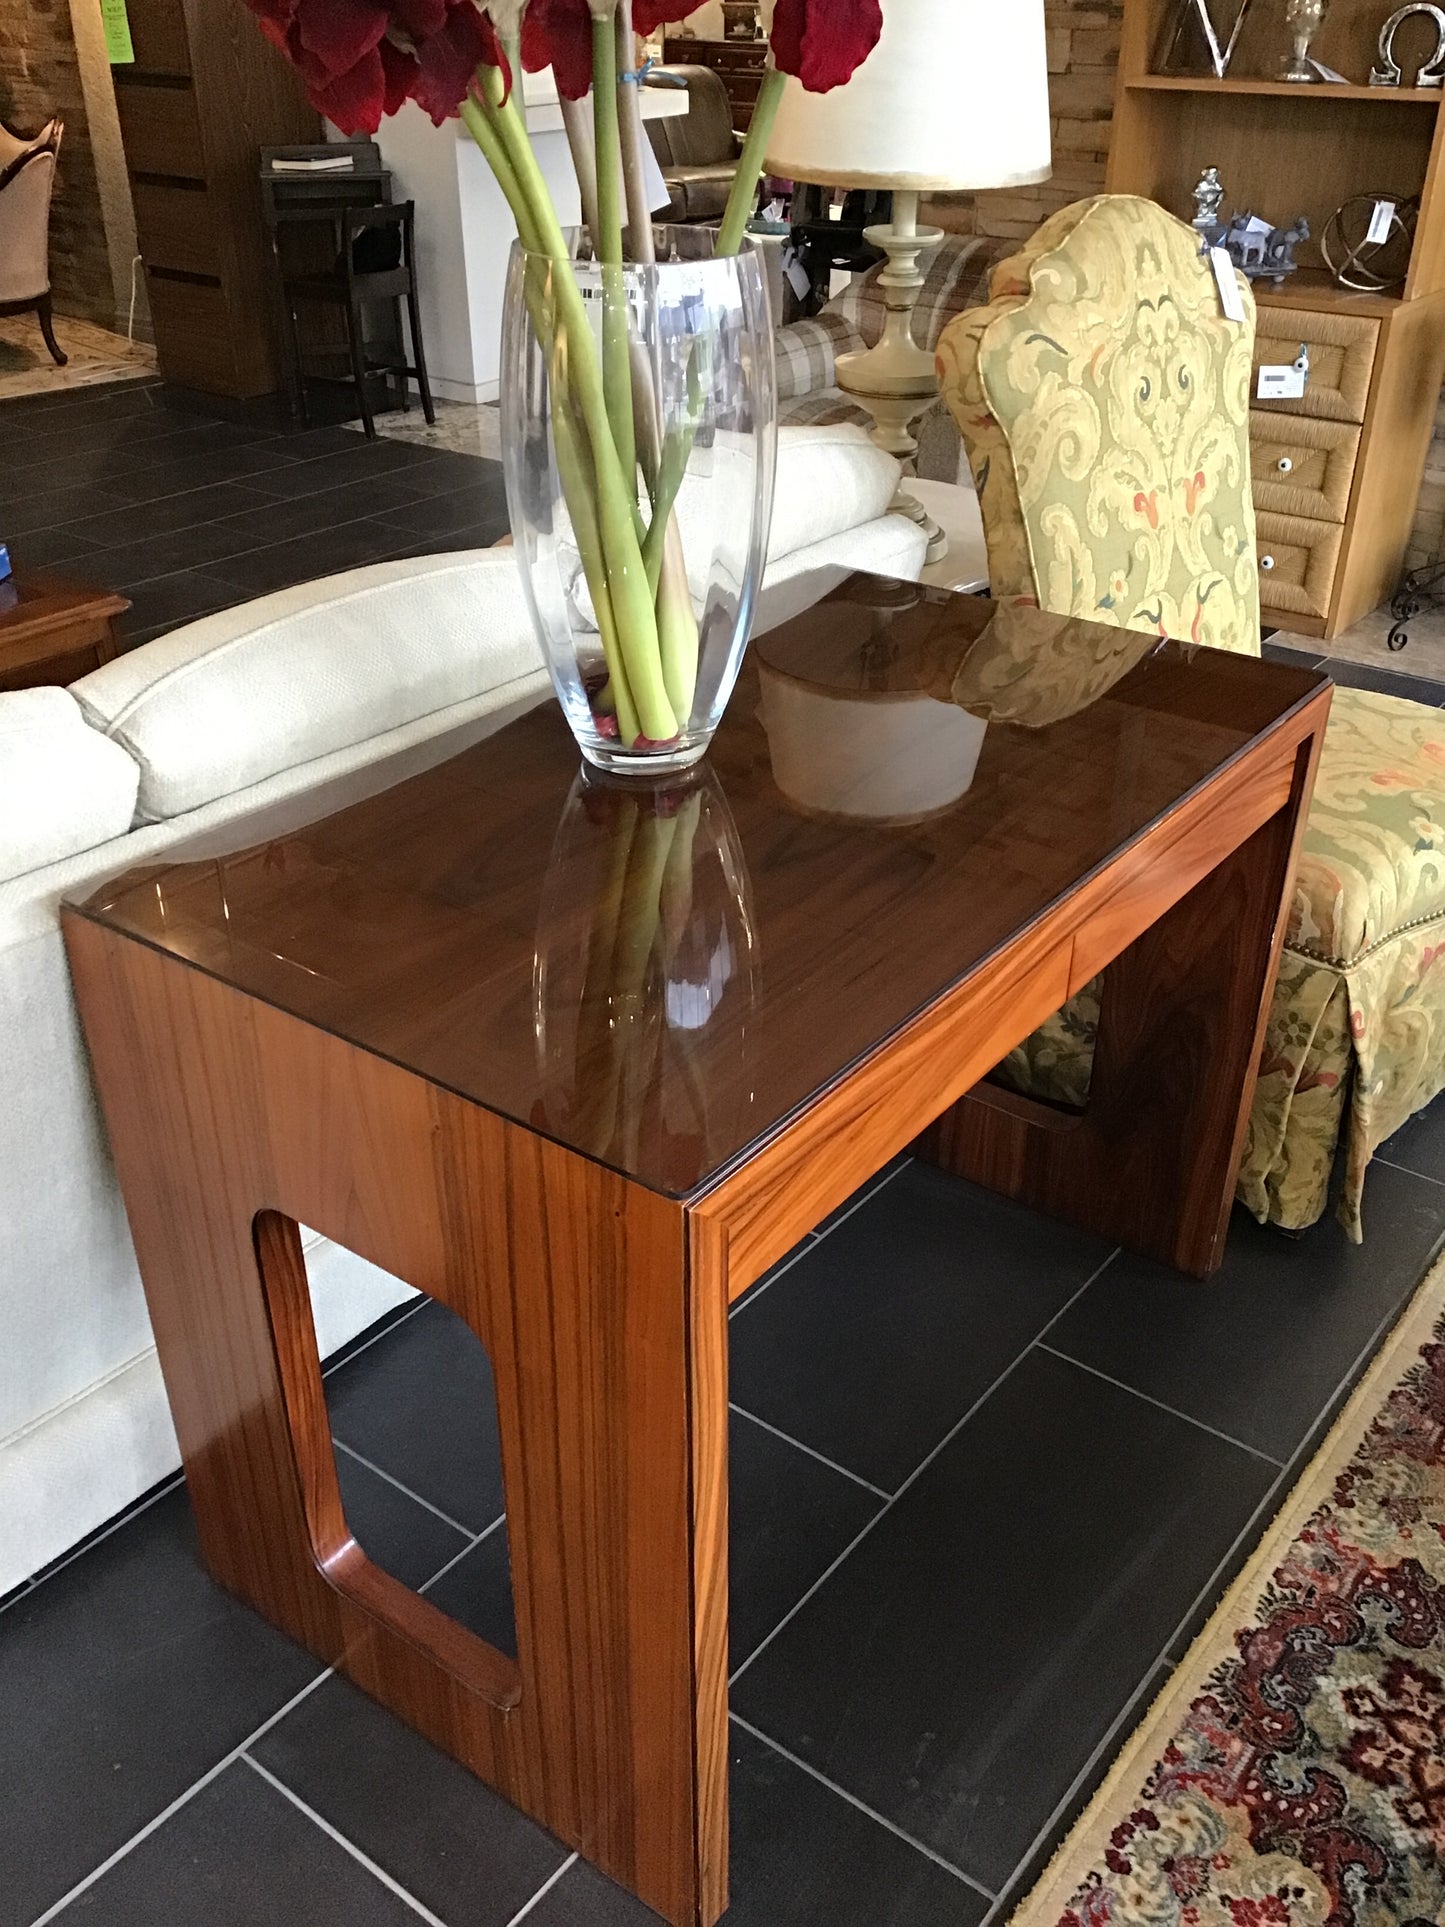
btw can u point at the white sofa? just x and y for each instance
(213, 731)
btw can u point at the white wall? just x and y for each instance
(707, 22)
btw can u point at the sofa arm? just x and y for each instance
(807, 352)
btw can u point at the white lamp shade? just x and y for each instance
(955, 95)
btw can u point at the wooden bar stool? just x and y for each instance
(375, 261)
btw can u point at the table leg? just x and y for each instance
(232, 1124)
(1150, 1162)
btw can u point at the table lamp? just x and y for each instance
(955, 96)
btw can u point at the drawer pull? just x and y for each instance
(1266, 563)
(1285, 465)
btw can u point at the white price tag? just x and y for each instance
(797, 276)
(1380, 220)
(1231, 301)
(1281, 382)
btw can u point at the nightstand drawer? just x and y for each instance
(1301, 466)
(1297, 561)
(1342, 359)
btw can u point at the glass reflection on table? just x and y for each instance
(646, 936)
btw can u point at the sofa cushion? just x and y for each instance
(1373, 859)
(63, 789)
(241, 696)
(830, 480)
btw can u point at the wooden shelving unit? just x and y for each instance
(1285, 149)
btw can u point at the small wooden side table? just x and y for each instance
(54, 630)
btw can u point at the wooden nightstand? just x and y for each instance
(53, 631)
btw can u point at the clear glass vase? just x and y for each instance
(643, 615)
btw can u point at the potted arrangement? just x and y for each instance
(638, 404)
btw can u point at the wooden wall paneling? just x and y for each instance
(232, 1122)
(1152, 1159)
(177, 227)
(158, 37)
(160, 126)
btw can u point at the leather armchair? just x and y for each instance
(27, 179)
(697, 151)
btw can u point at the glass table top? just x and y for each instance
(659, 978)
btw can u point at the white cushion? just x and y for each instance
(239, 697)
(62, 787)
(830, 480)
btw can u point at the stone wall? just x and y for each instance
(1083, 38)
(40, 76)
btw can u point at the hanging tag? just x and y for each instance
(1380, 222)
(1283, 381)
(797, 275)
(1231, 301)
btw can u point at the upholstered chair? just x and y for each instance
(697, 151)
(1103, 400)
(27, 179)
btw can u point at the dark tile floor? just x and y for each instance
(187, 505)
(988, 1476)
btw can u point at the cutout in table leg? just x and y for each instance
(480, 1593)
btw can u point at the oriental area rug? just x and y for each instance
(1292, 1774)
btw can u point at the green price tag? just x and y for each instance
(118, 48)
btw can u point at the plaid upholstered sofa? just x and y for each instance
(807, 351)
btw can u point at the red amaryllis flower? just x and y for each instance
(360, 59)
(558, 34)
(649, 15)
(825, 42)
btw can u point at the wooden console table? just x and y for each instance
(55, 630)
(582, 1061)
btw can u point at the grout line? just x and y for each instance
(334, 1833)
(815, 1237)
(754, 1292)
(1159, 1405)
(832, 1464)
(182, 1799)
(1406, 1169)
(457, 1557)
(880, 1819)
(884, 1178)
(435, 1510)
(920, 1469)
(411, 1311)
(1144, 1694)
(1280, 1486)
(546, 1887)
(78, 1552)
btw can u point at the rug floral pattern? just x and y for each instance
(1306, 1785)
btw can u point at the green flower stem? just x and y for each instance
(677, 634)
(750, 167)
(616, 360)
(676, 453)
(632, 141)
(632, 603)
(488, 138)
(579, 487)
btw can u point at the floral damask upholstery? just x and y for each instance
(1103, 399)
